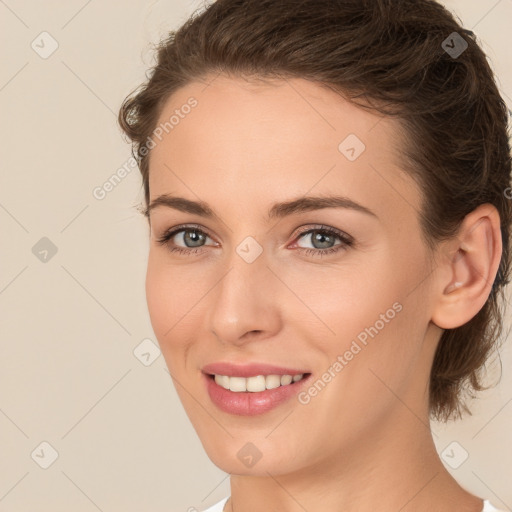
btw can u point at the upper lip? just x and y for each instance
(249, 370)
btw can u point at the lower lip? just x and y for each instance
(248, 403)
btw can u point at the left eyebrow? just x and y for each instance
(310, 203)
(278, 210)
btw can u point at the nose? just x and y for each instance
(245, 302)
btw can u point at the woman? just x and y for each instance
(325, 185)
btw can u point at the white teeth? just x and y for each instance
(222, 380)
(286, 379)
(237, 384)
(255, 384)
(272, 381)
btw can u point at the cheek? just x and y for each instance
(365, 363)
(368, 316)
(170, 298)
(349, 301)
(380, 329)
(158, 299)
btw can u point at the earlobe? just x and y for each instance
(468, 275)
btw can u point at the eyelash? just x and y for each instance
(345, 239)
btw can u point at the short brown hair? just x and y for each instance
(391, 56)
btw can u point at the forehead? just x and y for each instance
(273, 140)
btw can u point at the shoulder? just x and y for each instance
(220, 505)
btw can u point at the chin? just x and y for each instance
(243, 457)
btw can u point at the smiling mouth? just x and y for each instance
(257, 383)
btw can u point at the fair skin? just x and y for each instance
(363, 443)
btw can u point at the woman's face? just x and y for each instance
(350, 308)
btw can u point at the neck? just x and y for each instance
(394, 468)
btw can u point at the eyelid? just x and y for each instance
(346, 239)
(301, 230)
(321, 227)
(169, 233)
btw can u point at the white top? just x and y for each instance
(488, 507)
(220, 505)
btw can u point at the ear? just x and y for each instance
(468, 269)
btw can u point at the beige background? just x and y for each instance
(70, 325)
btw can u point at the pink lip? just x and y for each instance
(249, 370)
(250, 403)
